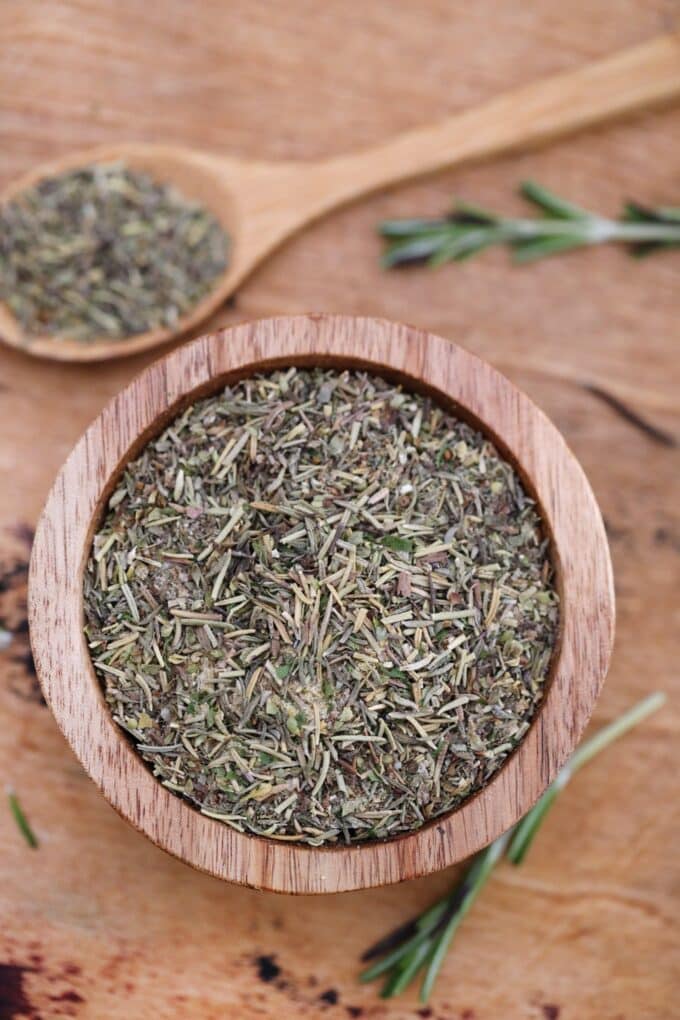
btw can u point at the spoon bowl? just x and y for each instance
(260, 204)
(191, 173)
(462, 383)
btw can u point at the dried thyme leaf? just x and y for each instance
(322, 606)
(105, 251)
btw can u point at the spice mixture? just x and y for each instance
(322, 606)
(105, 251)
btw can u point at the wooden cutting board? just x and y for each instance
(98, 923)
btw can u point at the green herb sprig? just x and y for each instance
(562, 227)
(422, 943)
(21, 820)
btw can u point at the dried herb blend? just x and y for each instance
(105, 251)
(322, 607)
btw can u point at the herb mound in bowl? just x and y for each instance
(322, 607)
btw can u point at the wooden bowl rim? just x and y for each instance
(421, 360)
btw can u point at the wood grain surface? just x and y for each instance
(99, 923)
(261, 204)
(421, 361)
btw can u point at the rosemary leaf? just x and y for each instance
(21, 820)
(669, 214)
(552, 203)
(427, 924)
(418, 248)
(532, 251)
(406, 228)
(410, 966)
(479, 872)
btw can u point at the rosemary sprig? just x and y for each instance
(562, 227)
(525, 830)
(422, 943)
(21, 820)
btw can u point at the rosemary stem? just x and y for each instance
(476, 877)
(526, 829)
(666, 232)
(587, 230)
(589, 748)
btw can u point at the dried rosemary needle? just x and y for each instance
(322, 607)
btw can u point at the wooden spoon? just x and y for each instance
(260, 204)
(423, 362)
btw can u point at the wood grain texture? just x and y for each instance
(261, 204)
(98, 922)
(421, 360)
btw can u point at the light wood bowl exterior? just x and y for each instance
(422, 362)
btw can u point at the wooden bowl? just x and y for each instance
(474, 391)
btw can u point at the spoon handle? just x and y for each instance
(629, 80)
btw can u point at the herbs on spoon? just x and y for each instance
(562, 227)
(421, 944)
(106, 252)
